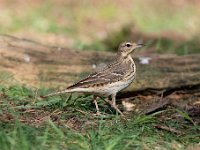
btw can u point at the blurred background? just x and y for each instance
(167, 26)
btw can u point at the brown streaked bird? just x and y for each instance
(115, 77)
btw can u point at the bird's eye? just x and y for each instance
(128, 45)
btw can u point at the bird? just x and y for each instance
(109, 80)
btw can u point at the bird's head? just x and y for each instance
(126, 48)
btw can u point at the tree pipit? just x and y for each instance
(115, 77)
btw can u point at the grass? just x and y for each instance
(66, 122)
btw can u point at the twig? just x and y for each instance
(81, 111)
(163, 102)
(169, 129)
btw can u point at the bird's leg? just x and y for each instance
(113, 104)
(96, 105)
(113, 100)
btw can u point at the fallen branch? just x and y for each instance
(158, 106)
(169, 129)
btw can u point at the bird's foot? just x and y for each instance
(99, 114)
(116, 108)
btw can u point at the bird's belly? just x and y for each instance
(108, 89)
(113, 88)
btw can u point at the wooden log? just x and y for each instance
(36, 64)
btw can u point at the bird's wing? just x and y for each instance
(107, 75)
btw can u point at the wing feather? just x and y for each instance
(109, 74)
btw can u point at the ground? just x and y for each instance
(157, 108)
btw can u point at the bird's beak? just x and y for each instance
(139, 45)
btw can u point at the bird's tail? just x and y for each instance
(57, 93)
